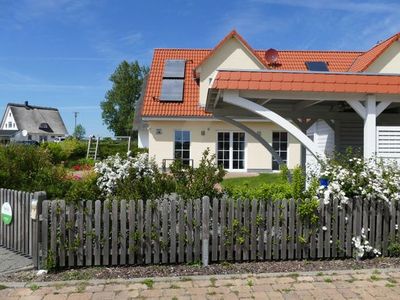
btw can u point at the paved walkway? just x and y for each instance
(11, 262)
(369, 284)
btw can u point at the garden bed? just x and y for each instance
(128, 272)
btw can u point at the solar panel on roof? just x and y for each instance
(174, 69)
(317, 66)
(172, 90)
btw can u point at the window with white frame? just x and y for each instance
(280, 145)
(182, 146)
(231, 150)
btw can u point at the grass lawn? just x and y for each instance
(252, 182)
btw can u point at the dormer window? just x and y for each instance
(318, 66)
(45, 127)
(173, 80)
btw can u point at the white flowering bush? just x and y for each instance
(351, 177)
(363, 247)
(130, 178)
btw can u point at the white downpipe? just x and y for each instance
(370, 127)
(232, 97)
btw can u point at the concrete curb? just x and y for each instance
(197, 277)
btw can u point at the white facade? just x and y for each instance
(324, 137)
(9, 121)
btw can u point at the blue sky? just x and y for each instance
(61, 52)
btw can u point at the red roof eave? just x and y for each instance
(308, 82)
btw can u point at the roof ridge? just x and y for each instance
(32, 106)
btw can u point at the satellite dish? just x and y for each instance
(24, 132)
(271, 56)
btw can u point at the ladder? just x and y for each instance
(93, 147)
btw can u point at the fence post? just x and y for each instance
(205, 232)
(36, 211)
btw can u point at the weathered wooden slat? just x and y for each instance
(181, 231)
(230, 232)
(53, 229)
(379, 225)
(372, 224)
(342, 231)
(256, 222)
(89, 233)
(365, 217)
(197, 224)
(335, 222)
(172, 250)
(386, 225)
(214, 242)
(223, 228)
(277, 227)
(106, 232)
(320, 241)
(284, 230)
(238, 230)
(299, 235)
(398, 218)
(132, 231)
(205, 234)
(140, 231)
(1, 223)
(45, 232)
(98, 239)
(80, 243)
(349, 228)
(156, 226)
(392, 231)
(328, 231)
(71, 236)
(292, 236)
(19, 232)
(123, 229)
(165, 237)
(148, 235)
(114, 234)
(265, 247)
(246, 229)
(189, 231)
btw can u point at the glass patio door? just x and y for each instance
(231, 150)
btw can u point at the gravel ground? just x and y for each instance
(214, 269)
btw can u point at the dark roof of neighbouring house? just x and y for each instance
(30, 118)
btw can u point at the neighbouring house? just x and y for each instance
(257, 109)
(25, 122)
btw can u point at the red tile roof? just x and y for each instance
(338, 61)
(367, 58)
(307, 82)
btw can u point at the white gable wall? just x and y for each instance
(9, 119)
(388, 61)
(324, 136)
(231, 55)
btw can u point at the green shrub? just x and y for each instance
(29, 168)
(267, 191)
(83, 189)
(394, 248)
(298, 183)
(66, 151)
(193, 183)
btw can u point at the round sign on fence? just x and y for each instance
(6, 213)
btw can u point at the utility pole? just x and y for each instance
(76, 116)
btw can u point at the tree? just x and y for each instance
(119, 104)
(79, 132)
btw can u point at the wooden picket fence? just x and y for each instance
(168, 231)
(21, 235)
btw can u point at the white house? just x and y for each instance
(257, 108)
(31, 123)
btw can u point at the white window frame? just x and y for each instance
(287, 148)
(231, 132)
(190, 144)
